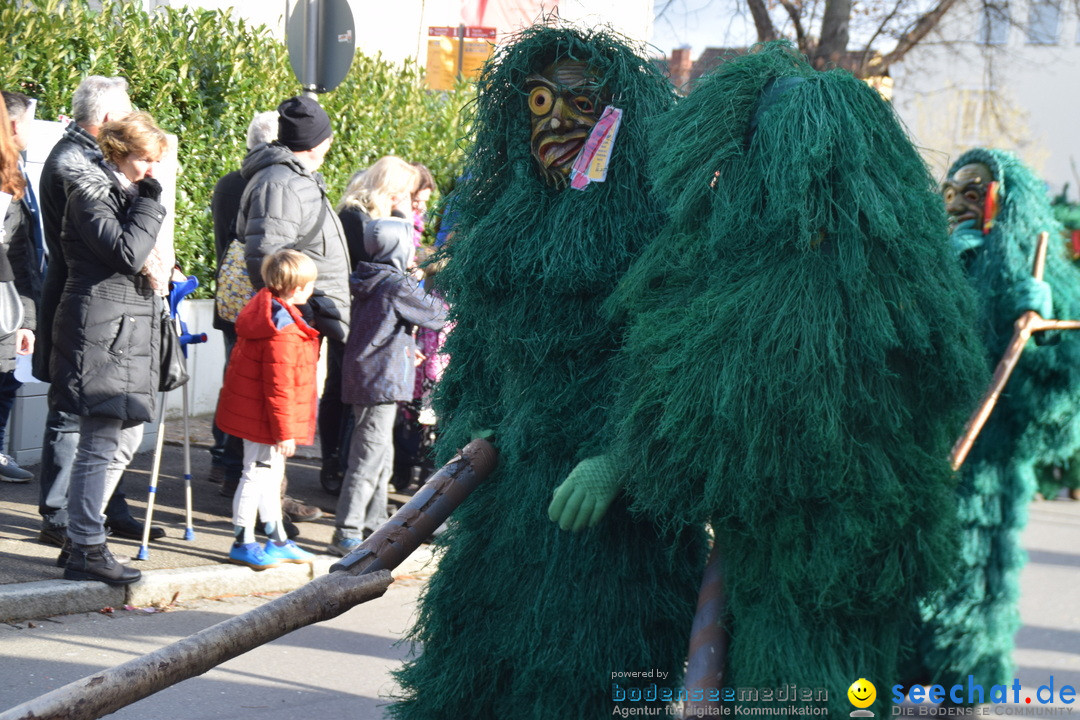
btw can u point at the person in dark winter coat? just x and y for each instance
(269, 401)
(285, 206)
(379, 371)
(106, 333)
(96, 101)
(371, 194)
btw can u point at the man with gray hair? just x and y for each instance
(285, 206)
(97, 100)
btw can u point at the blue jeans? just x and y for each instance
(106, 446)
(361, 506)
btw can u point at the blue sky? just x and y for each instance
(701, 24)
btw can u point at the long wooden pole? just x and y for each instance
(1027, 324)
(107, 691)
(362, 576)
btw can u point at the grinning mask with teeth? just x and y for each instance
(965, 193)
(565, 101)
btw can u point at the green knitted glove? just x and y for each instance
(1032, 294)
(584, 496)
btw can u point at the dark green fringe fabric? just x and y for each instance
(970, 627)
(523, 620)
(801, 355)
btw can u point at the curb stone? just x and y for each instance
(46, 598)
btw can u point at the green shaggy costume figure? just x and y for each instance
(523, 620)
(800, 358)
(970, 628)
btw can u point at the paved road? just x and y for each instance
(337, 669)
(341, 668)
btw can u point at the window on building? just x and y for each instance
(995, 24)
(1043, 18)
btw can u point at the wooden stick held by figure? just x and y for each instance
(1026, 325)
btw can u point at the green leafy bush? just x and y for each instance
(203, 74)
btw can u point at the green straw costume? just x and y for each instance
(801, 355)
(523, 620)
(970, 627)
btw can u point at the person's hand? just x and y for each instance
(1034, 295)
(418, 357)
(24, 341)
(286, 447)
(966, 238)
(149, 188)
(584, 496)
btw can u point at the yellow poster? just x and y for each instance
(447, 58)
(442, 62)
(476, 54)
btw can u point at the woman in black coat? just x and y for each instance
(106, 333)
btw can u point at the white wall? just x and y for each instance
(399, 30)
(954, 94)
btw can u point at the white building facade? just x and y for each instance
(1002, 74)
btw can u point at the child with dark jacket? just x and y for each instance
(379, 371)
(269, 401)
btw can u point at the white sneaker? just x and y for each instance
(11, 472)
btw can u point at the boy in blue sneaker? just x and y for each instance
(269, 401)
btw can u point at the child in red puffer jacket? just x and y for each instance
(269, 401)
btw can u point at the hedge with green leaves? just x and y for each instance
(203, 74)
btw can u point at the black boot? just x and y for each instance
(65, 553)
(95, 562)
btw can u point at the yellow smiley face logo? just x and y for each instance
(862, 693)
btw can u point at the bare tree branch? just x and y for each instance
(868, 52)
(919, 30)
(795, 13)
(762, 22)
(664, 9)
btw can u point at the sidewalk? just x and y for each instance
(31, 586)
